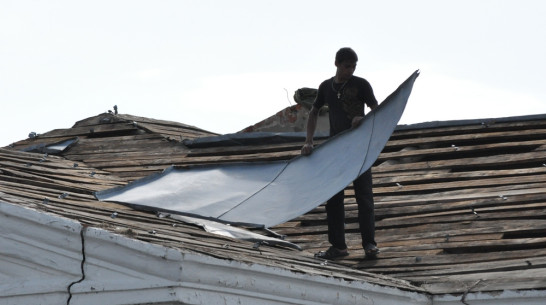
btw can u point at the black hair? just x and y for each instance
(346, 54)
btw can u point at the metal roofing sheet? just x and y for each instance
(270, 193)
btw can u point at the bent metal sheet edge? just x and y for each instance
(269, 193)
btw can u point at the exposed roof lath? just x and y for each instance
(459, 207)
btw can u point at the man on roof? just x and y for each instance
(346, 96)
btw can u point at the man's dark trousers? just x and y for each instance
(335, 212)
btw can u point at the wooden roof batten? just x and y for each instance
(459, 205)
(452, 211)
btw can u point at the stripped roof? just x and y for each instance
(459, 205)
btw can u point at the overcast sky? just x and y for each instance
(225, 65)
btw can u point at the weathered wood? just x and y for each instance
(490, 281)
(470, 163)
(380, 180)
(182, 160)
(39, 141)
(96, 130)
(454, 204)
(461, 139)
(129, 117)
(283, 148)
(483, 126)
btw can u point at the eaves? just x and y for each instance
(55, 260)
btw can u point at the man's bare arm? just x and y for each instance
(307, 148)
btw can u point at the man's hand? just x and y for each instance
(307, 149)
(356, 121)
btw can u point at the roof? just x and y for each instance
(112, 151)
(459, 205)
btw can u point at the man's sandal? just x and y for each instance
(331, 253)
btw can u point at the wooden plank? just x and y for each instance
(469, 163)
(10, 154)
(434, 231)
(123, 156)
(96, 130)
(448, 151)
(403, 265)
(75, 184)
(380, 180)
(490, 281)
(490, 193)
(135, 147)
(287, 148)
(461, 184)
(395, 222)
(163, 123)
(71, 202)
(130, 144)
(484, 126)
(460, 139)
(175, 133)
(50, 169)
(43, 191)
(478, 225)
(182, 160)
(477, 267)
(438, 240)
(424, 212)
(39, 141)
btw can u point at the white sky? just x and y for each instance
(225, 65)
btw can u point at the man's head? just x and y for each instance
(346, 54)
(346, 60)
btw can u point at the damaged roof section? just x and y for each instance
(51, 148)
(108, 141)
(268, 194)
(460, 205)
(57, 186)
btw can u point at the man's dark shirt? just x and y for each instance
(353, 95)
